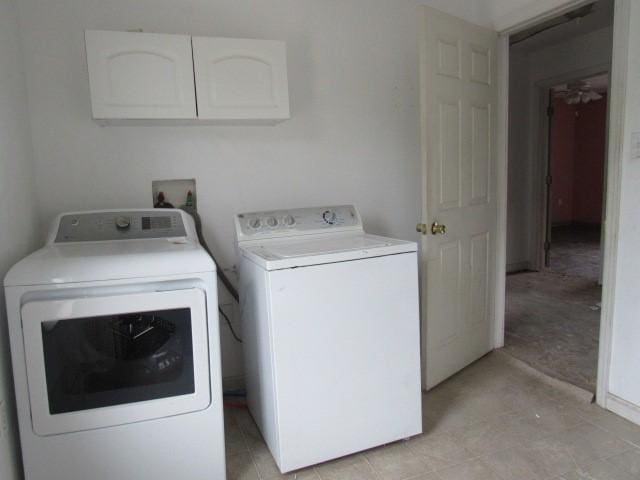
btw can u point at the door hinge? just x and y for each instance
(550, 111)
(548, 180)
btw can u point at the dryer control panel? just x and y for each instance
(119, 225)
(299, 221)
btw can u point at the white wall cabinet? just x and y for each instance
(145, 76)
(140, 75)
(241, 79)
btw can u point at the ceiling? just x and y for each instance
(601, 16)
(599, 83)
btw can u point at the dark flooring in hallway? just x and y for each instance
(553, 316)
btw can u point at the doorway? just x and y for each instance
(557, 150)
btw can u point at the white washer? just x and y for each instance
(331, 333)
(115, 348)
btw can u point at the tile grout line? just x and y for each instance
(374, 470)
(249, 450)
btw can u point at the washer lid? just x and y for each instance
(318, 249)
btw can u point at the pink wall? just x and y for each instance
(578, 140)
(562, 157)
(588, 167)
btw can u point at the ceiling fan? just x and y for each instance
(579, 91)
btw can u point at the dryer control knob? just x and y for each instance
(123, 223)
(255, 223)
(272, 221)
(329, 217)
(289, 220)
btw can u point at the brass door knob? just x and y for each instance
(438, 229)
(422, 228)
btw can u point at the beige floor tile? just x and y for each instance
(472, 470)
(427, 476)
(510, 465)
(446, 408)
(268, 469)
(396, 462)
(306, 474)
(490, 436)
(588, 443)
(493, 420)
(440, 450)
(542, 420)
(234, 440)
(251, 433)
(241, 467)
(354, 467)
(434, 422)
(628, 461)
(599, 470)
(491, 403)
(547, 457)
(610, 422)
(264, 462)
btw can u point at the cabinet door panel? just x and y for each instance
(140, 75)
(240, 79)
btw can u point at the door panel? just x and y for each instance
(458, 97)
(480, 64)
(449, 154)
(444, 270)
(480, 152)
(448, 58)
(479, 278)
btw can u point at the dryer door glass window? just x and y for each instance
(117, 359)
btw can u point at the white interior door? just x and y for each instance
(458, 111)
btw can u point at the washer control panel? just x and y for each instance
(120, 225)
(277, 223)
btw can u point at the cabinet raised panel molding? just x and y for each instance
(146, 76)
(140, 75)
(241, 79)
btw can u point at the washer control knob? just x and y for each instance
(272, 221)
(329, 217)
(123, 223)
(255, 223)
(289, 220)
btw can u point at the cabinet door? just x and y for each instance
(140, 75)
(240, 79)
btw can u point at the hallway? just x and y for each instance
(553, 316)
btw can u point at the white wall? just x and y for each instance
(528, 70)
(625, 354)
(353, 136)
(17, 215)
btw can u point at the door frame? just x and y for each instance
(617, 100)
(540, 151)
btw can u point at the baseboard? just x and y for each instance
(623, 408)
(518, 266)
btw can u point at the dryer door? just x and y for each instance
(102, 361)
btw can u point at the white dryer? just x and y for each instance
(115, 348)
(331, 333)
